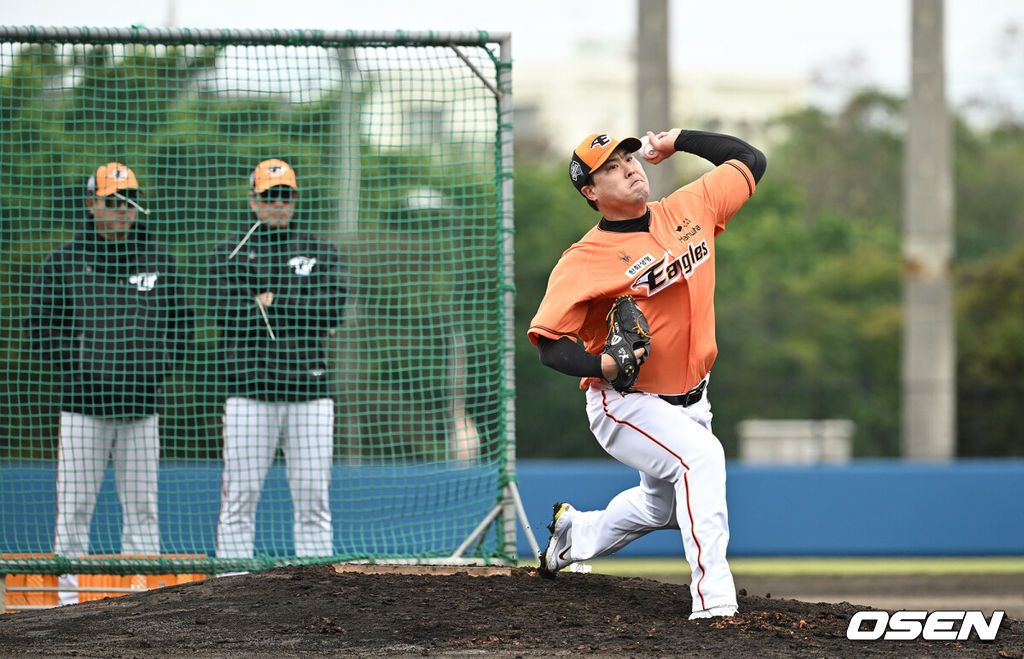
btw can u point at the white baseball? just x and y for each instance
(645, 146)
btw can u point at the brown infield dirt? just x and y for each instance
(496, 612)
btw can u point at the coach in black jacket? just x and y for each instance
(109, 311)
(276, 294)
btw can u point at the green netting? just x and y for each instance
(149, 401)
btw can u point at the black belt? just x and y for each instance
(689, 398)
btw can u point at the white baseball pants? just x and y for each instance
(252, 431)
(86, 444)
(682, 485)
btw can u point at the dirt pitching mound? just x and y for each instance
(317, 610)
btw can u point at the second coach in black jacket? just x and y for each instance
(280, 356)
(277, 352)
(276, 293)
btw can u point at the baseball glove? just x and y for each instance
(627, 331)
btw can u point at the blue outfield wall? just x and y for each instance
(397, 509)
(863, 508)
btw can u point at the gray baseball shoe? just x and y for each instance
(556, 556)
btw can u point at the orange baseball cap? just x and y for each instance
(272, 173)
(591, 154)
(110, 178)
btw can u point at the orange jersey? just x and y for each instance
(669, 270)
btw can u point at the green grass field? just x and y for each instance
(839, 566)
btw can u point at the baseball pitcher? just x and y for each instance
(630, 309)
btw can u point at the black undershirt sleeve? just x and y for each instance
(567, 356)
(718, 148)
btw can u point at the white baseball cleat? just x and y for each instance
(556, 556)
(720, 611)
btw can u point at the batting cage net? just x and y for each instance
(257, 293)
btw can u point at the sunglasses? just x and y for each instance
(126, 198)
(277, 193)
(120, 195)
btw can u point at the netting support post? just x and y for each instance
(510, 498)
(510, 507)
(512, 504)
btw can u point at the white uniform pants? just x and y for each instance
(86, 444)
(252, 431)
(682, 485)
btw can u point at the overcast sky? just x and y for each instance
(783, 38)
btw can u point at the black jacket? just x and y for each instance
(307, 278)
(114, 318)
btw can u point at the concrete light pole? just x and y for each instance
(929, 347)
(653, 84)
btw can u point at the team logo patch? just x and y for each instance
(302, 265)
(624, 257)
(668, 271)
(144, 281)
(600, 140)
(118, 174)
(575, 170)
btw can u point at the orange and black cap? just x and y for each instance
(591, 154)
(272, 173)
(110, 178)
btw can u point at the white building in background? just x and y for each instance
(594, 91)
